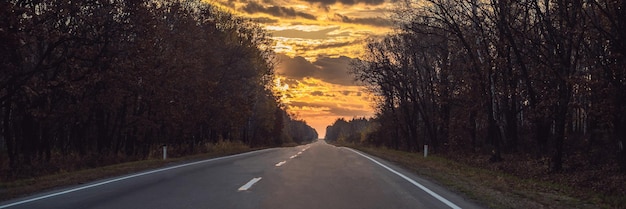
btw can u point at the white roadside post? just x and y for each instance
(425, 150)
(164, 152)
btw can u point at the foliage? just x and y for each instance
(353, 131)
(117, 79)
(534, 89)
(546, 78)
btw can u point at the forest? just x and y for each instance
(94, 82)
(538, 84)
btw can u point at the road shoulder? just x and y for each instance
(490, 188)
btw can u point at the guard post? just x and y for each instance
(164, 151)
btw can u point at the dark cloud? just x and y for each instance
(310, 83)
(331, 70)
(336, 45)
(320, 34)
(347, 2)
(296, 67)
(277, 11)
(322, 94)
(308, 104)
(306, 48)
(348, 112)
(333, 108)
(334, 70)
(265, 20)
(374, 21)
(229, 3)
(351, 93)
(317, 93)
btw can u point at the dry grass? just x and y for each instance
(491, 188)
(22, 187)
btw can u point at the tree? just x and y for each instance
(110, 81)
(509, 76)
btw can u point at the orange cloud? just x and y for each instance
(320, 103)
(315, 42)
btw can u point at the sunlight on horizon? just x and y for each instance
(316, 40)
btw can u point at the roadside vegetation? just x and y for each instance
(493, 187)
(87, 84)
(534, 90)
(63, 178)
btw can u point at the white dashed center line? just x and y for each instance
(280, 163)
(249, 184)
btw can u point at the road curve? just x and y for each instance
(316, 175)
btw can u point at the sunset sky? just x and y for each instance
(315, 42)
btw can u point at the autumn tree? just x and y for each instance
(111, 81)
(501, 77)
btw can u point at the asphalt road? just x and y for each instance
(317, 175)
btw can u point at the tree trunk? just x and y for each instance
(8, 136)
(494, 136)
(620, 132)
(511, 124)
(560, 122)
(472, 129)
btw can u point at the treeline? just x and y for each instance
(546, 78)
(115, 79)
(299, 132)
(356, 130)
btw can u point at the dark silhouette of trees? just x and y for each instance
(108, 81)
(545, 78)
(353, 131)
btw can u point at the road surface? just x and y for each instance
(316, 175)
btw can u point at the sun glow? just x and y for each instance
(320, 102)
(315, 41)
(281, 89)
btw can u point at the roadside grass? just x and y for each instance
(23, 187)
(494, 189)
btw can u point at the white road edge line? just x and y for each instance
(249, 184)
(128, 177)
(280, 163)
(435, 195)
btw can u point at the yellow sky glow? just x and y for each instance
(321, 103)
(317, 38)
